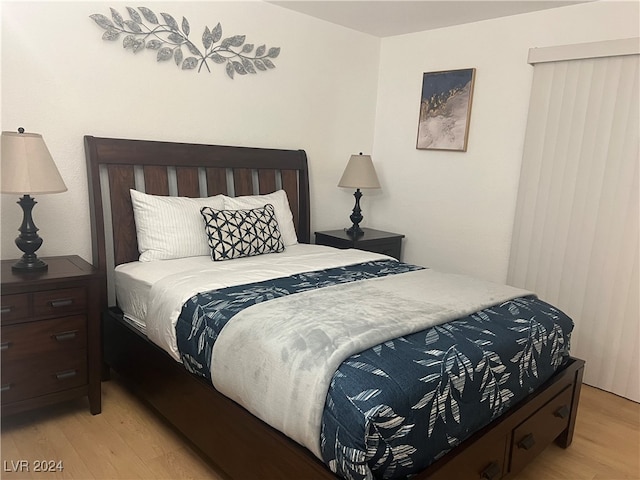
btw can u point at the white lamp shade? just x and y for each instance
(359, 173)
(26, 165)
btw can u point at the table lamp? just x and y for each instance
(358, 174)
(26, 167)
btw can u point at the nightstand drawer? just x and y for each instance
(30, 339)
(60, 302)
(22, 379)
(14, 307)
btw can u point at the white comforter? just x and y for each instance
(277, 358)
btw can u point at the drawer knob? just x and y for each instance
(62, 336)
(66, 374)
(4, 310)
(63, 302)
(562, 412)
(491, 472)
(5, 387)
(527, 442)
(5, 346)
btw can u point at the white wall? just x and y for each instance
(59, 78)
(457, 209)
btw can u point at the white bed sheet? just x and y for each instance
(151, 294)
(134, 281)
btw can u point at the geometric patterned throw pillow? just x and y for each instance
(242, 233)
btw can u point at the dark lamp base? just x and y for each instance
(28, 241)
(25, 265)
(356, 217)
(355, 231)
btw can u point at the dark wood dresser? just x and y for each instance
(50, 335)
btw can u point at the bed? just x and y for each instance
(241, 445)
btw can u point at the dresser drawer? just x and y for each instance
(540, 429)
(60, 302)
(14, 307)
(28, 340)
(22, 379)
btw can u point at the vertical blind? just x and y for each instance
(576, 235)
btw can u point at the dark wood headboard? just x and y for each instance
(191, 170)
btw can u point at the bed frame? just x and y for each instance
(237, 443)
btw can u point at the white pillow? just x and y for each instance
(171, 227)
(279, 201)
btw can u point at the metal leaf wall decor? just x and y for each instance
(171, 42)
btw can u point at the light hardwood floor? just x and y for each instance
(128, 442)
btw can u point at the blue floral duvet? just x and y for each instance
(395, 408)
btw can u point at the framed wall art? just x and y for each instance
(445, 110)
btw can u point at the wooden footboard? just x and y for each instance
(227, 435)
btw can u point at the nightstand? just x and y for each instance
(50, 335)
(372, 241)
